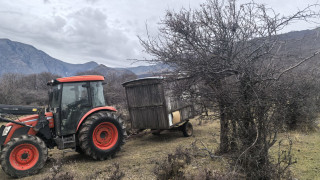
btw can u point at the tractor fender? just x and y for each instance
(106, 108)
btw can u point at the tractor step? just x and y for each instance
(65, 142)
(69, 150)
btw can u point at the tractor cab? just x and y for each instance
(71, 98)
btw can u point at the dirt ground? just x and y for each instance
(138, 157)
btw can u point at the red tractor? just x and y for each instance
(76, 118)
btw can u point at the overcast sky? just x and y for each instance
(105, 31)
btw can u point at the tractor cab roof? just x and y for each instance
(76, 79)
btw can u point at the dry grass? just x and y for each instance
(138, 157)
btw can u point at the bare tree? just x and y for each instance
(25, 89)
(9, 89)
(234, 50)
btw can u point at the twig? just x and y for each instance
(298, 64)
(212, 156)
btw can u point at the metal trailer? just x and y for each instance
(153, 105)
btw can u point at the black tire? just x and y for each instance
(187, 129)
(25, 148)
(95, 133)
(156, 132)
(79, 150)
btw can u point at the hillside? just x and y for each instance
(107, 71)
(300, 42)
(144, 71)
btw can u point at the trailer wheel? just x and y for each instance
(187, 129)
(101, 135)
(23, 156)
(156, 132)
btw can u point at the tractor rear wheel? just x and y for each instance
(23, 156)
(101, 135)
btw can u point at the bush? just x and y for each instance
(171, 168)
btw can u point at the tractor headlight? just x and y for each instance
(6, 130)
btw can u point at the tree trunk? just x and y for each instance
(224, 129)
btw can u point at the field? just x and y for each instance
(142, 154)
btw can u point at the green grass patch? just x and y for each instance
(305, 150)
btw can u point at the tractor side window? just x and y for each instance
(97, 94)
(55, 96)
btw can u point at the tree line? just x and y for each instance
(32, 89)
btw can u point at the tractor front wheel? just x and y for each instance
(101, 135)
(23, 156)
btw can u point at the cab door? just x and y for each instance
(75, 102)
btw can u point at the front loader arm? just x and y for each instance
(15, 122)
(18, 109)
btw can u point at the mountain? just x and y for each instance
(106, 71)
(16, 57)
(304, 41)
(146, 71)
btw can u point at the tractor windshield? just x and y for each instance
(97, 94)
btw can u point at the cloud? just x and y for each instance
(88, 31)
(92, 1)
(92, 30)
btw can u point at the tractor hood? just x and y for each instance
(32, 120)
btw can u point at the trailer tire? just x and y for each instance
(23, 156)
(156, 132)
(187, 129)
(102, 135)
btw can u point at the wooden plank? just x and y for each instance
(149, 118)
